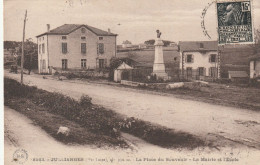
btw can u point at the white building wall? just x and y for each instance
(254, 69)
(199, 60)
(42, 57)
(74, 54)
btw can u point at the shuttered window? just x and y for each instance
(189, 72)
(64, 64)
(213, 72)
(101, 48)
(83, 48)
(64, 47)
(83, 63)
(40, 47)
(43, 64)
(213, 58)
(43, 48)
(201, 71)
(101, 63)
(189, 58)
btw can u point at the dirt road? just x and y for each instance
(202, 119)
(21, 133)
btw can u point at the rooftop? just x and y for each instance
(68, 28)
(237, 74)
(198, 45)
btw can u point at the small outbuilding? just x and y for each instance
(122, 72)
(237, 76)
(255, 66)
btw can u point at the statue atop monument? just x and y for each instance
(158, 33)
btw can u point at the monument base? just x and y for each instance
(159, 71)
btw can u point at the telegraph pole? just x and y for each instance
(22, 59)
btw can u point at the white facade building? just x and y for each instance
(255, 66)
(199, 59)
(73, 46)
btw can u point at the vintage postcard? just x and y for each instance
(131, 82)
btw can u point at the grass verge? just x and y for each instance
(89, 123)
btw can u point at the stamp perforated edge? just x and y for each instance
(252, 17)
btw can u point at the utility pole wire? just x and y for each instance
(22, 59)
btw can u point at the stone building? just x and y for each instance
(75, 46)
(199, 59)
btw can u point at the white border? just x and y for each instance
(1, 84)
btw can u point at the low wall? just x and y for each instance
(132, 83)
(149, 85)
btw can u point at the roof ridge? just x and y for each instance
(66, 29)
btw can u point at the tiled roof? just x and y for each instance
(68, 28)
(198, 45)
(146, 58)
(237, 74)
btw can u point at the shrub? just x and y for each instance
(85, 101)
(70, 75)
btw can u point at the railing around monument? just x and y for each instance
(174, 75)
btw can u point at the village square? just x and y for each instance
(104, 93)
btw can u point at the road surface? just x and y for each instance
(198, 118)
(21, 133)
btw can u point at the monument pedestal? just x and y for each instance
(158, 66)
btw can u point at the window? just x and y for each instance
(64, 64)
(40, 47)
(43, 64)
(101, 63)
(64, 47)
(64, 37)
(83, 48)
(100, 38)
(83, 63)
(213, 72)
(189, 72)
(175, 59)
(201, 45)
(83, 38)
(201, 71)
(213, 58)
(189, 58)
(43, 48)
(83, 30)
(100, 48)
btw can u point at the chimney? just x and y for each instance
(108, 31)
(48, 27)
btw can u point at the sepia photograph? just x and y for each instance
(131, 82)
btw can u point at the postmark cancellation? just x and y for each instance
(20, 156)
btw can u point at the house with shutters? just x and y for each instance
(254, 62)
(199, 59)
(75, 46)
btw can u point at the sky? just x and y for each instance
(133, 20)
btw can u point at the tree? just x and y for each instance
(151, 42)
(30, 55)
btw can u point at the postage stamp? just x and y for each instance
(235, 22)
